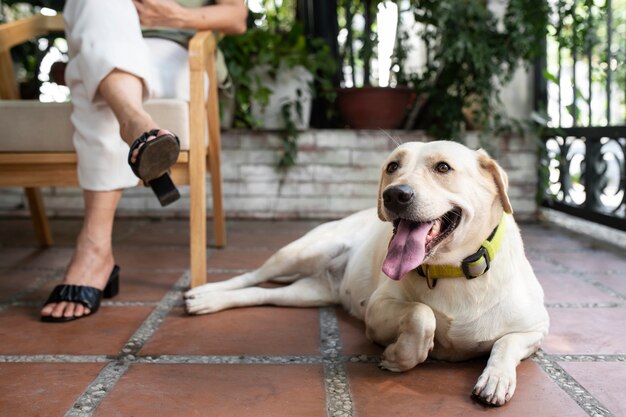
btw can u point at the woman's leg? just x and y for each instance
(92, 261)
(123, 92)
(103, 37)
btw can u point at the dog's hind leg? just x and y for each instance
(303, 258)
(305, 292)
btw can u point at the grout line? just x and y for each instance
(587, 305)
(210, 359)
(339, 401)
(567, 383)
(585, 358)
(154, 320)
(87, 403)
(263, 359)
(230, 360)
(55, 358)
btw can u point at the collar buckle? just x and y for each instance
(476, 264)
(431, 282)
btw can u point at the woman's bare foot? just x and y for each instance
(91, 266)
(92, 262)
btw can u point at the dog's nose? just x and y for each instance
(396, 198)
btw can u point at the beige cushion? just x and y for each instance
(31, 126)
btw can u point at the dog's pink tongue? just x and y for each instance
(407, 249)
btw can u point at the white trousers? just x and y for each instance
(103, 35)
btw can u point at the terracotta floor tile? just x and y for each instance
(43, 389)
(158, 232)
(17, 232)
(264, 227)
(582, 330)
(103, 334)
(152, 257)
(353, 336)
(245, 331)
(14, 257)
(546, 239)
(591, 261)
(616, 282)
(605, 381)
(267, 234)
(13, 280)
(444, 389)
(543, 266)
(238, 258)
(217, 390)
(273, 241)
(50, 258)
(566, 288)
(135, 285)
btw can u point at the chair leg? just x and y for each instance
(219, 224)
(38, 216)
(197, 226)
(214, 156)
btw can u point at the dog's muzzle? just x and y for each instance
(398, 198)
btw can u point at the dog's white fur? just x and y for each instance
(501, 312)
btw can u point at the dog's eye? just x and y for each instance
(392, 167)
(442, 167)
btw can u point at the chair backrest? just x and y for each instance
(15, 33)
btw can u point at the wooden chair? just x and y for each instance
(26, 162)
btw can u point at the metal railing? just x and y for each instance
(583, 169)
(585, 174)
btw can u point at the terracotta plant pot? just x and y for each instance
(374, 107)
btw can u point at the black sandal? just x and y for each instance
(90, 297)
(153, 161)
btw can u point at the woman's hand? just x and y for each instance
(161, 13)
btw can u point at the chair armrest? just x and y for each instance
(15, 33)
(202, 48)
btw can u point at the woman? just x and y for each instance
(114, 66)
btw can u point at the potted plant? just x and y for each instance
(473, 53)
(364, 105)
(276, 72)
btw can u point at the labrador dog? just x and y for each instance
(438, 269)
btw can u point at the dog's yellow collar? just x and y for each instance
(471, 267)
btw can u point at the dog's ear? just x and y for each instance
(499, 177)
(379, 205)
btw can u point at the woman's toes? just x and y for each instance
(59, 309)
(69, 310)
(79, 310)
(47, 309)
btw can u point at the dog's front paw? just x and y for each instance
(400, 357)
(206, 303)
(495, 386)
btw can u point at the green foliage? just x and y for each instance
(27, 57)
(360, 46)
(273, 42)
(580, 30)
(472, 56)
